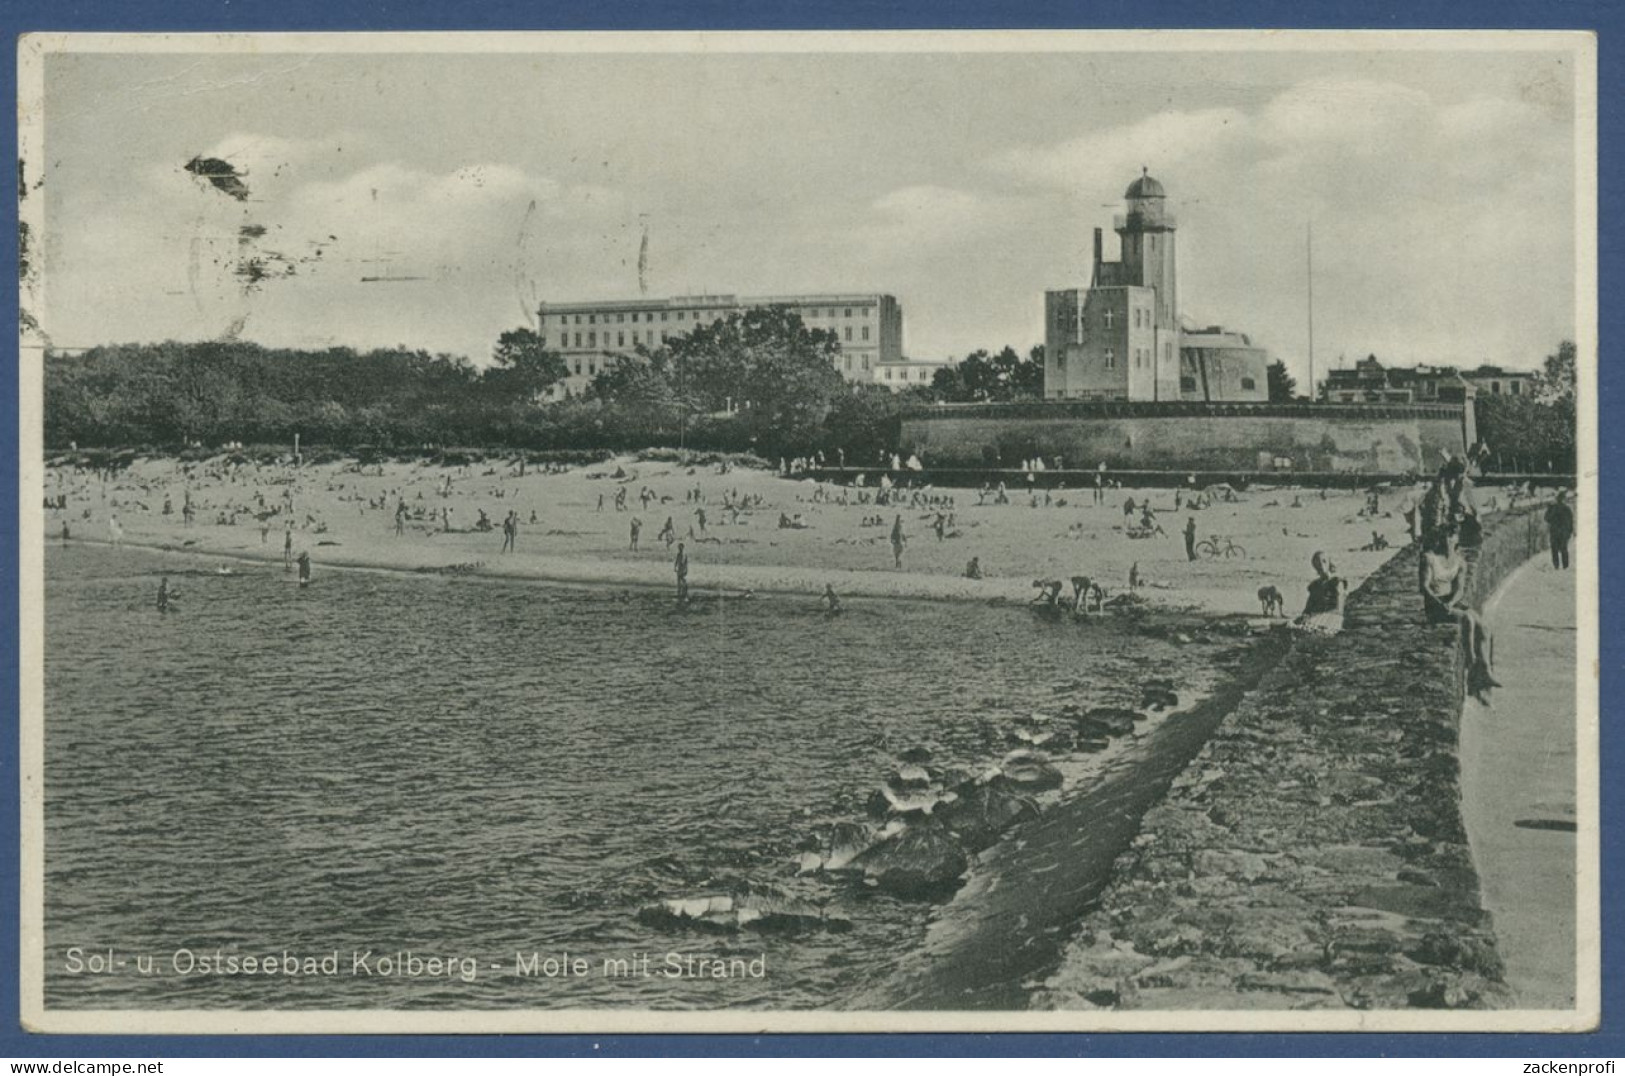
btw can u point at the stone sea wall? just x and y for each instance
(1313, 853)
(1389, 439)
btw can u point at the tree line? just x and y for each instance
(1533, 433)
(757, 381)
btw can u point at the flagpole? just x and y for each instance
(1309, 242)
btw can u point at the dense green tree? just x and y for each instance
(1524, 434)
(524, 366)
(983, 378)
(1558, 379)
(864, 422)
(1283, 387)
(764, 367)
(1534, 433)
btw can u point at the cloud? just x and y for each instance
(1442, 233)
(1101, 160)
(1443, 226)
(320, 250)
(1344, 110)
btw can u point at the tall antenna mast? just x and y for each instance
(1310, 247)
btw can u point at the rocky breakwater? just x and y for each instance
(1312, 856)
(1025, 892)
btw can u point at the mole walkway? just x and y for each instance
(1518, 773)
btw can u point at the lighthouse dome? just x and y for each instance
(1145, 187)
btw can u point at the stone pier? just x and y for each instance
(1313, 855)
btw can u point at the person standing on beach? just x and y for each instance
(680, 566)
(510, 531)
(898, 541)
(1560, 525)
(163, 594)
(400, 518)
(116, 530)
(1190, 538)
(304, 569)
(668, 533)
(637, 527)
(699, 517)
(830, 599)
(287, 547)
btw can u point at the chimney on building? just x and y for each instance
(1100, 249)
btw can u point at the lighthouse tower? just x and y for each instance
(1147, 235)
(1118, 339)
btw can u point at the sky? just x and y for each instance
(1440, 187)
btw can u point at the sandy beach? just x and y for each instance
(570, 530)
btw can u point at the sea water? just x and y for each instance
(392, 790)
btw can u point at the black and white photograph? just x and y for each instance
(809, 531)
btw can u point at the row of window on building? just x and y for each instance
(620, 339)
(822, 312)
(591, 337)
(1069, 318)
(592, 367)
(648, 315)
(1141, 355)
(923, 374)
(1187, 383)
(683, 315)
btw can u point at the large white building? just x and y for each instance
(909, 373)
(593, 335)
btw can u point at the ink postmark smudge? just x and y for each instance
(219, 174)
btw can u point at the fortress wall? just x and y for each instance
(1189, 437)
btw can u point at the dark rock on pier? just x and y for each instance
(1102, 722)
(1031, 771)
(922, 861)
(983, 810)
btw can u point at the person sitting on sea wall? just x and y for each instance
(1444, 577)
(1323, 611)
(1433, 514)
(1463, 506)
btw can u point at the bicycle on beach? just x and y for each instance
(1220, 547)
